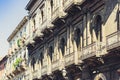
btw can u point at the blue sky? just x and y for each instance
(11, 13)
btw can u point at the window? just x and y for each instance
(77, 37)
(24, 29)
(41, 57)
(50, 52)
(62, 46)
(34, 22)
(98, 27)
(20, 34)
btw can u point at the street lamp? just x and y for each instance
(64, 73)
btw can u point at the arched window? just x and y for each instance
(98, 27)
(50, 52)
(100, 76)
(100, 79)
(77, 37)
(62, 46)
(41, 57)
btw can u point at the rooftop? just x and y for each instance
(19, 26)
(30, 4)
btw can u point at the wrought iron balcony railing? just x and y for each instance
(113, 41)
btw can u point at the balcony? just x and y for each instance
(55, 65)
(95, 49)
(35, 74)
(68, 4)
(113, 41)
(15, 47)
(44, 67)
(44, 70)
(88, 51)
(16, 71)
(34, 33)
(23, 39)
(23, 65)
(9, 75)
(19, 66)
(20, 43)
(69, 59)
(37, 35)
(57, 14)
(29, 41)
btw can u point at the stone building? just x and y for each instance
(74, 39)
(3, 62)
(68, 40)
(16, 67)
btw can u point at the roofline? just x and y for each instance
(30, 4)
(19, 26)
(4, 58)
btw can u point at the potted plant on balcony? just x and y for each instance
(16, 65)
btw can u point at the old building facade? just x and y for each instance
(74, 39)
(68, 40)
(16, 66)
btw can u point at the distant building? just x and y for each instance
(17, 62)
(3, 62)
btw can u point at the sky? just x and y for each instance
(11, 13)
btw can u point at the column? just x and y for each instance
(85, 29)
(68, 40)
(88, 29)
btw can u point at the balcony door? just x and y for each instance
(98, 28)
